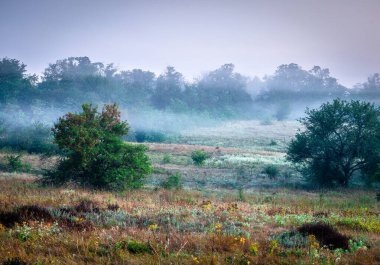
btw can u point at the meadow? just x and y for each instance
(230, 210)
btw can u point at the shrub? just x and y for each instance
(326, 235)
(273, 143)
(199, 157)
(96, 156)
(25, 213)
(166, 159)
(291, 239)
(149, 136)
(173, 182)
(15, 164)
(271, 171)
(138, 248)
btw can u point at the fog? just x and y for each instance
(173, 65)
(168, 102)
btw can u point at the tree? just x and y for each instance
(78, 79)
(169, 88)
(138, 86)
(15, 85)
(291, 83)
(222, 90)
(96, 155)
(370, 89)
(340, 138)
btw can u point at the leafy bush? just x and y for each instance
(149, 136)
(173, 182)
(95, 154)
(15, 164)
(199, 157)
(271, 171)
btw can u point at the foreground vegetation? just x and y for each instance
(75, 226)
(230, 209)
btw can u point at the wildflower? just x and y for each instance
(254, 249)
(242, 240)
(273, 246)
(218, 228)
(153, 227)
(207, 205)
(195, 259)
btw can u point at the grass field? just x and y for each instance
(228, 211)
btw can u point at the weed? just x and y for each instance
(166, 159)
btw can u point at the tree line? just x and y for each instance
(223, 92)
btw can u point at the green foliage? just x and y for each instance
(15, 164)
(271, 171)
(138, 247)
(199, 157)
(36, 138)
(339, 139)
(15, 85)
(273, 143)
(291, 239)
(149, 136)
(96, 155)
(173, 182)
(355, 246)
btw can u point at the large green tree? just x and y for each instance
(96, 156)
(339, 139)
(16, 86)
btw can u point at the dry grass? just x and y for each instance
(180, 227)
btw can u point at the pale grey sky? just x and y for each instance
(197, 35)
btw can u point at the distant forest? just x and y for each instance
(220, 93)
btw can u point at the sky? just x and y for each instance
(196, 36)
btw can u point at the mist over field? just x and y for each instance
(193, 132)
